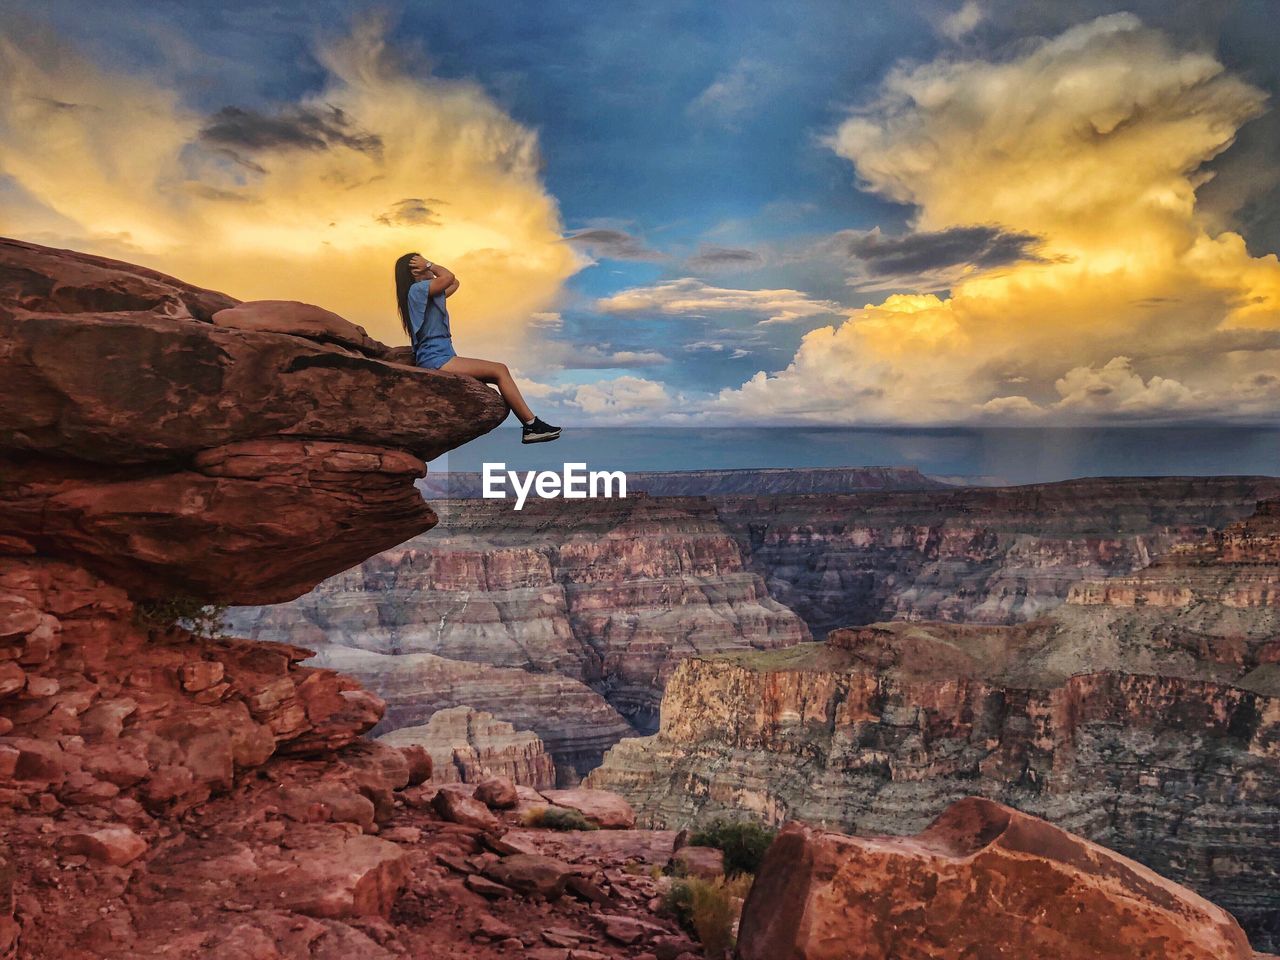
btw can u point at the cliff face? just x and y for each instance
(174, 455)
(1152, 731)
(978, 555)
(1238, 567)
(605, 597)
(576, 723)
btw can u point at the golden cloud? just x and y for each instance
(311, 201)
(1093, 141)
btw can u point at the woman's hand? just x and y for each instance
(421, 267)
(442, 278)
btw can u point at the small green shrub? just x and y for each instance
(558, 818)
(709, 909)
(743, 842)
(203, 620)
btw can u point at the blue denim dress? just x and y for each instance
(432, 341)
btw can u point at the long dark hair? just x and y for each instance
(404, 280)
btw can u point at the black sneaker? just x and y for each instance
(538, 432)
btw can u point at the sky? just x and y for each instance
(982, 213)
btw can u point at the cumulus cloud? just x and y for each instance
(591, 357)
(690, 297)
(311, 200)
(625, 399)
(1133, 305)
(962, 21)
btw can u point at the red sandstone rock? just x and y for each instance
(160, 385)
(198, 535)
(12, 678)
(497, 793)
(299, 320)
(704, 862)
(602, 807)
(420, 765)
(459, 808)
(198, 432)
(627, 930)
(114, 845)
(531, 874)
(983, 880)
(487, 888)
(345, 877)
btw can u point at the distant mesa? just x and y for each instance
(469, 746)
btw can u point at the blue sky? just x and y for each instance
(706, 152)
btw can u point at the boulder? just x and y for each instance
(456, 807)
(604, 808)
(351, 876)
(629, 930)
(982, 881)
(704, 862)
(497, 793)
(487, 888)
(419, 764)
(531, 874)
(116, 845)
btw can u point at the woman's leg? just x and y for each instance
(490, 371)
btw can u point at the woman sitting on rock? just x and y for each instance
(421, 290)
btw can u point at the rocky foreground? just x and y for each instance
(169, 792)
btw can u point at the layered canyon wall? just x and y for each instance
(585, 608)
(978, 555)
(1144, 719)
(588, 606)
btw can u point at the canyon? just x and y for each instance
(1143, 713)
(168, 790)
(587, 607)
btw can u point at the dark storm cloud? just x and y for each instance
(924, 253)
(714, 258)
(411, 211)
(304, 128)
(613, 245)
